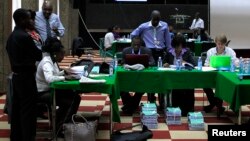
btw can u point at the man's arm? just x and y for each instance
(167, 38)
(137, 31)
(60, 29)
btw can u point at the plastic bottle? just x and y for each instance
(232, 67)
(115, 62)
(111, 69)
(178, 64)
(241, 66)
(159, 63)
(199, 64)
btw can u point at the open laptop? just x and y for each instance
(78, 70)
(132, 59)
(220, 61)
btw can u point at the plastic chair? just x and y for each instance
(102, 49)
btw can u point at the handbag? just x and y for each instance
(80, 131)
(132, 136)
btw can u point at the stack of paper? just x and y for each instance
(89, 80)
(149, 115)
(173, 116)
(195, 121)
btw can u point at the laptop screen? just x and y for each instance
(132, 59)
(220, 61)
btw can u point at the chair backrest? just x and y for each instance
(77, 47)
(228, 42)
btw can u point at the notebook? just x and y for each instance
(132, 59)
(220, 61)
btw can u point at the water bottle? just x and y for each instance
(115, 62)
(178, 64)
(111, 69)
(159, 64)
(241, 66)
(199, 64)
(232, 67)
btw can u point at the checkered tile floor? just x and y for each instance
(100, 102)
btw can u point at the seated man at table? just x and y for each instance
(47, 72)
(183, 98)
(220, 49)
(130, 103)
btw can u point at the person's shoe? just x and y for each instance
(208, 108)
(220, 111)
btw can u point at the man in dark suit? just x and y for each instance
(131, 102)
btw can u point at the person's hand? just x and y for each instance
(166, 65)
(55, 30)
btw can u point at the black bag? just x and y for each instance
(132, 136)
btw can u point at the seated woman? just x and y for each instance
(111, 36)
(47, 72)
(183, 98)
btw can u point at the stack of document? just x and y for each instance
(173, 116)
(149, 115)
(195, 121)
(89, 80)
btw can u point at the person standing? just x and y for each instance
(47, 23)
(156, 36)
(23, 54)
(197, 25)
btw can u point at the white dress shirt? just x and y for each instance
(227, 51)
(108, 39)
(197, 24)
(47, 72)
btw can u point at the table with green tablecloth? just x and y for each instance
(231, 89)
(152, 80)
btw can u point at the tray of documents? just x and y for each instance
(195, 121)
(173, 115)
(149, 115)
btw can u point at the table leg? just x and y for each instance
(239, 116)
(54, 116)
(111, 119)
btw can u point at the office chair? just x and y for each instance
(228, 42)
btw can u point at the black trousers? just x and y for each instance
(23, 118)
(183, 98)
(68, 102)
(131, 101)
(214, 101)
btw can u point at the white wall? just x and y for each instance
(15, 5)
(231, 17)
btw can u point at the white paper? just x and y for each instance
(89, 80)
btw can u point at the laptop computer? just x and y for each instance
(220, 61)
(79, 70)
(132, 59)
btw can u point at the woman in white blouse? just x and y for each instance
(47, 72)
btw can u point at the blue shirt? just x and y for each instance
(54, 21)
(154, 37)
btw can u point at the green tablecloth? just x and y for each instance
(232, 90)
(108, 88)
(152, 80)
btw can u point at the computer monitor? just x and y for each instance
(132, 59)
(220, 61)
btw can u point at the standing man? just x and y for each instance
(155, 34)
(47, 23)
(197, 25)
(23, 55)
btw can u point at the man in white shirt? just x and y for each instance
(220, 49)
(197, 24)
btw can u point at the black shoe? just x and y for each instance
(208, 108)
(220, 111)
